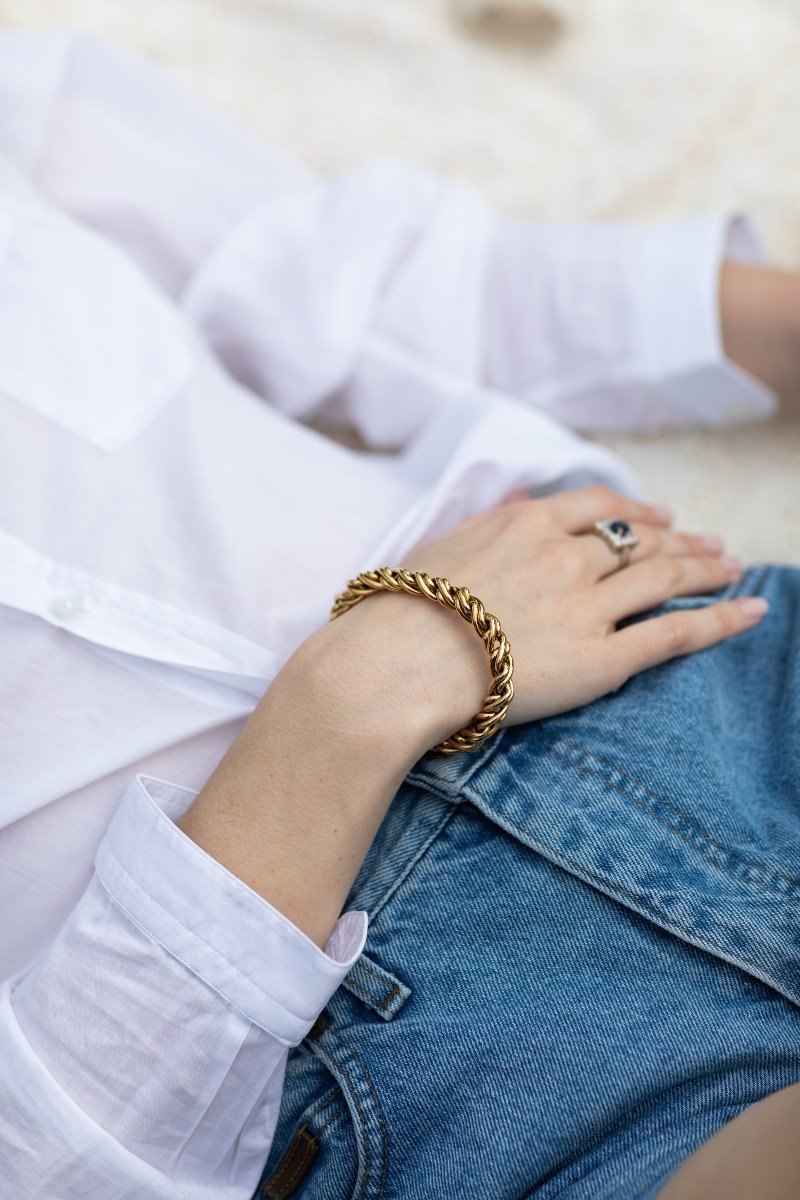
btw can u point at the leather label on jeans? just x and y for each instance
(293, 1167)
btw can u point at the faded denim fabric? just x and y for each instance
(584, 947)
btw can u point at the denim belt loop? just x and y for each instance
(382, 992)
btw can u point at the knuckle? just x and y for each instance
(726, 619)
(525, 512)
(708, 574)
(715, 570)
(558, 554)
(601, 493)
(671, 574)
(676, 634)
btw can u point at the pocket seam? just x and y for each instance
(631, 899)
(707, 845)
(419, 852)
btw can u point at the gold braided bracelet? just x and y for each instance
(418, 583)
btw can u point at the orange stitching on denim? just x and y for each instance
(394, 990)
(361, 991)
(365, 966)
(371, 999)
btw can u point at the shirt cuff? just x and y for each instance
(221, 930)
(673, 290)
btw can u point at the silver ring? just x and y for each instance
(618, 536)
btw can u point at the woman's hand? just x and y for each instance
(295, 803)
(558, 593)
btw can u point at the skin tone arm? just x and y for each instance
(761, 326)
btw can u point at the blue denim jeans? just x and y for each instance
(584, 946)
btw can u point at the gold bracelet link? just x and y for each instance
(437, 588)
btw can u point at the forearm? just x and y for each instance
(760, 318)
(295, 804)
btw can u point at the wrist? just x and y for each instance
(295, 804)
(405, 673)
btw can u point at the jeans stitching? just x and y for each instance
(321, 1106)
(731, 1110)
(731, 863)
(379, 1111)
(367, 1152)
(391, 982)
(582, 870)
(363, 966)
(418, 853)
(391, 986)
(381, 1003)
(692, 935)
(360, 990)
(331, 1120)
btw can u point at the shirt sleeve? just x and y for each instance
(362, 299)
(625, 322)
(143, 1055)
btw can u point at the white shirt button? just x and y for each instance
(67, 605)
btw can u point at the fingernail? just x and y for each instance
(731, 566)
(753, 607)
(712, 544)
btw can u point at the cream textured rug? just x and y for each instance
(621, 108)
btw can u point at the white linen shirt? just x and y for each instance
(173, 299)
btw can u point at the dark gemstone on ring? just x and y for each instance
(620, 527)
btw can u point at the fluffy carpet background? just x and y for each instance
(629, 108)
